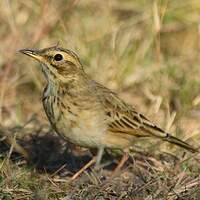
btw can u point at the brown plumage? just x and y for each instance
(86, 113)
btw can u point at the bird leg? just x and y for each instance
(99, 156)
(90, 163)
(95, 160)
(121, 163)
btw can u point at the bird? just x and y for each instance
(88, 114)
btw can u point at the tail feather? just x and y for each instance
(174, 140)
(158, 132)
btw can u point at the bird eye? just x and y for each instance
(58, 57)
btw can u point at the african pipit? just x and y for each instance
(85, 112)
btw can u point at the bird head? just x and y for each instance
(58, 63)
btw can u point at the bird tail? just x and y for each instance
(158, 132)
(171, 139)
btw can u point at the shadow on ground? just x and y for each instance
(146, 176)
(50, 153)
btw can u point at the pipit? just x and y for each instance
(85, 112)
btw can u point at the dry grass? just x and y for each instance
(147, 51)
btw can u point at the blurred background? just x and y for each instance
(146, 51)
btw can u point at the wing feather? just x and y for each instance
(123, 118)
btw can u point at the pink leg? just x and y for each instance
(90, 163)
(120, 164)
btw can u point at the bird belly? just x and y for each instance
(81, 131)
(82, 127)
(86, 128)
(117, 140)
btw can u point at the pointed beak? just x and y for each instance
(32, 53)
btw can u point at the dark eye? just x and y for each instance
(58, 57)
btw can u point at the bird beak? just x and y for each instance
(32, 53)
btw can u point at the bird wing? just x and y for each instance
(123, 118)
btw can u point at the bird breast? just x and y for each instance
(76, 123)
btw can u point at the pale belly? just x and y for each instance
(81, 131)
(91, 136)
(86, 128)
